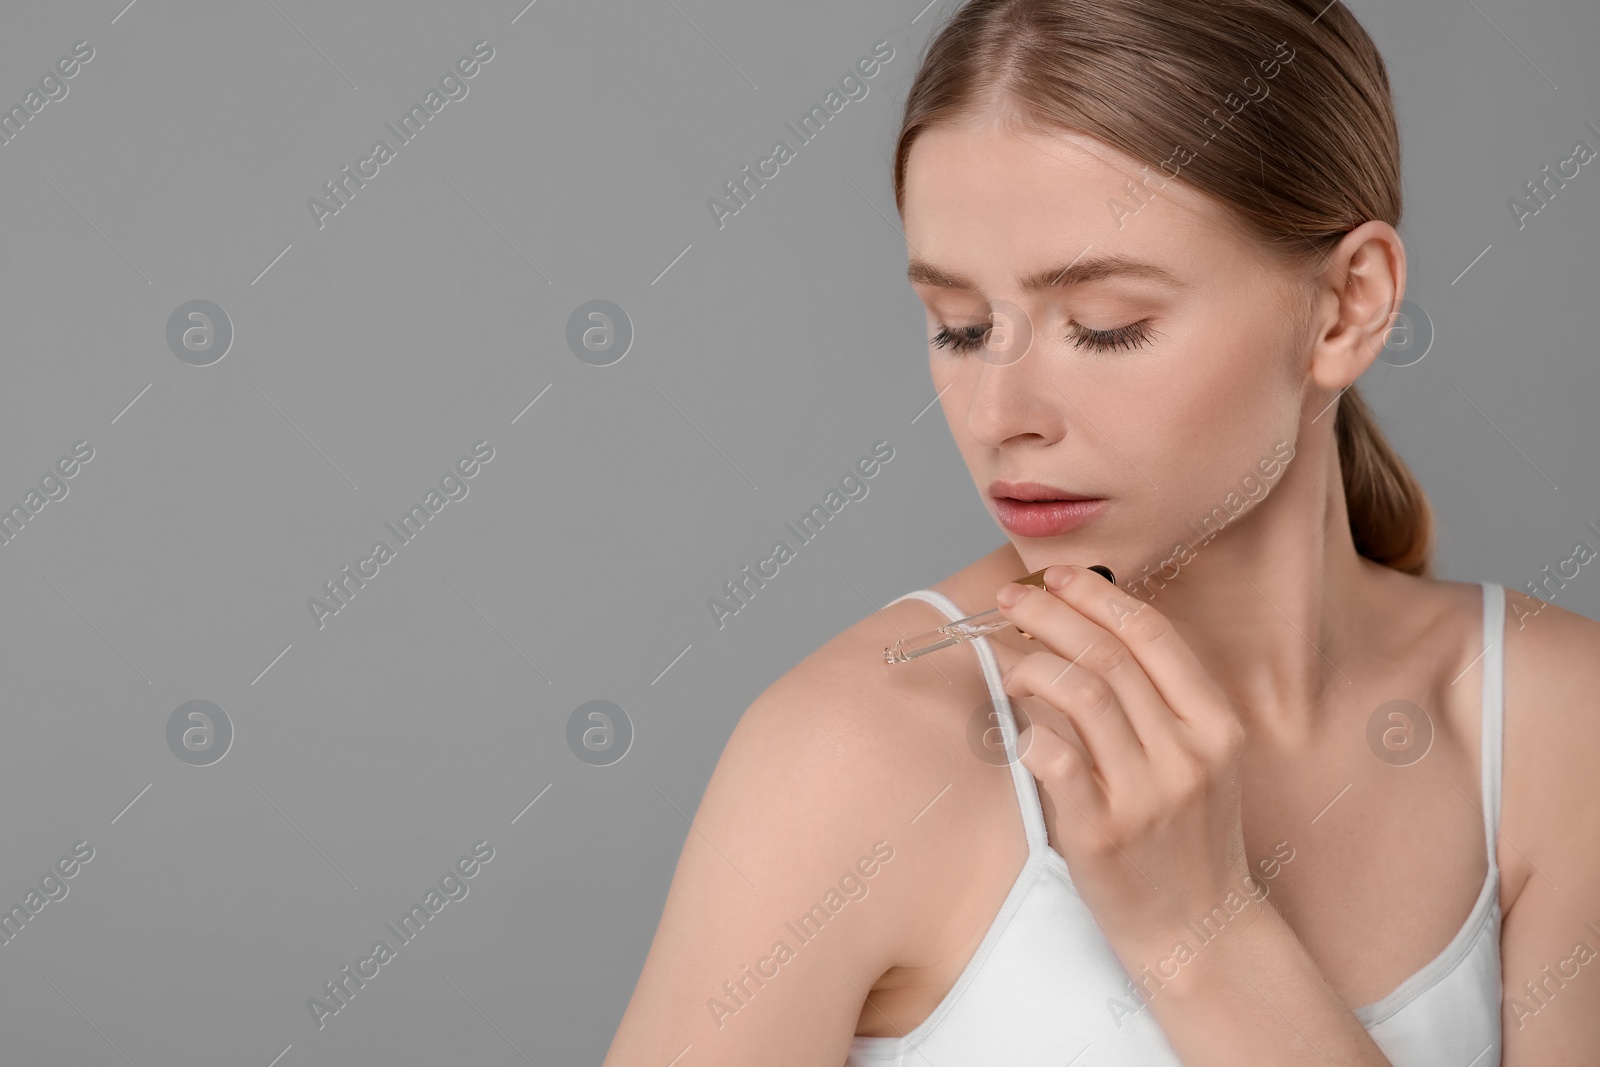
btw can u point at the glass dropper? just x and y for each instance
(985, 622)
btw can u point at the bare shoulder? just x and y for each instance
(1551, 820)
(1550, 684)
(1552, 692)
(884, 749)
(1549, 827)
(1551, 699)
(902, 753)
(856, 712)
(1551, 656)
(1551, 807)
(821, 851)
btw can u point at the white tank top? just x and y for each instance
(1045, 988)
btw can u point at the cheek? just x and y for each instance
(1207, 425)
(1235, 389)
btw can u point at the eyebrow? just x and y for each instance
(1077, 272)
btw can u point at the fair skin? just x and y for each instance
(1250, 677)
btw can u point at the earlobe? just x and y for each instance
(1341, 356)
(1335, 360)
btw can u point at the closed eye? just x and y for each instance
(966, 338)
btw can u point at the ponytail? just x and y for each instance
(1390, 519)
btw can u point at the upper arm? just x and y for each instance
(1551, 935)
(795, 888)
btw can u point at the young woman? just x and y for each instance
(1280, 796)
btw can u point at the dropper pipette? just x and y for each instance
(954, 633)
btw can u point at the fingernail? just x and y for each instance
(1009, 594)
(1105, 572)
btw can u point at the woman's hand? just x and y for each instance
(1148, 808)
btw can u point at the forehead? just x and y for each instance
(975, 193)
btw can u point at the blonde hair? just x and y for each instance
(1312, 152)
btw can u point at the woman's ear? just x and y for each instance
(1357, 297)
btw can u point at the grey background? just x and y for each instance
(427, 315)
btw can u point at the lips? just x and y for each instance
(1032, 509)
(1033, 491)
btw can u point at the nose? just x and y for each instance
(1013, 396)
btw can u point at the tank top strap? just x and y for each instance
(1021, 778)
(1493, 713)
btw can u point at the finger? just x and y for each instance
(1167, 661)
(1064, 769)
(1091, 706)
(1069, 633)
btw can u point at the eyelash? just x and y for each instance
(966, 338)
